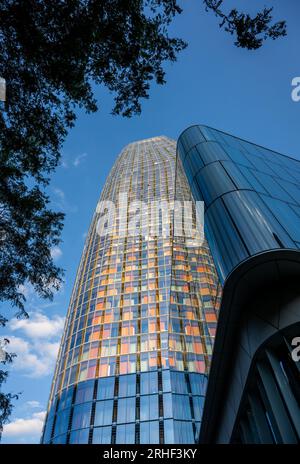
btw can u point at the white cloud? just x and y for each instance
(68, 161)
(62, 202)
(79, 159)
(36, 359)
(25, 427)
(37, 351)
(38, 325)
(56, 253)
(33, 404)
(64, 163)
(59, 192)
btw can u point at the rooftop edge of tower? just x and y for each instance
(158, 138)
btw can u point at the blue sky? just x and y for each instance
(245, 93)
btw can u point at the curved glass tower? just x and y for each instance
(136, 348)
(252, 224)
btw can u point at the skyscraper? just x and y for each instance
(252, 224)
(136, 348)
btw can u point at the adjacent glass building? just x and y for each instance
(137, 343)
(252, 226)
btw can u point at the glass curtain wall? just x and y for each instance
(134, 357)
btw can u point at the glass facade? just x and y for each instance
(251, 195)
(137, 343)
(251, 199)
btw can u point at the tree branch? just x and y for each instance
(250, 32)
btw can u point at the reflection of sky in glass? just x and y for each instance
(143, 312)
(262, 206)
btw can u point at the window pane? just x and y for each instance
(272, 187)
(103, 413)
(183, 432)
(178, 382)
(169, 431)
(106, 387)
(198, 384)
(102, 435)
(257, 225)
(148, 407)
(126, 410)
(125, 434)
(285, 216)
(149, 383)
(181, 407)
(85, 391)
(198, 402)
(167, 401)
(81, 416)
(127, 385)
(61, 440)
(66, 398)
(62, 421)
(79, 437)
(48, 427)
(149, 432)
(166, 377)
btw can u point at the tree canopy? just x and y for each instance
(250, 31)
(51, 52)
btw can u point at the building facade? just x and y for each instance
(252, 226)
(137, 343)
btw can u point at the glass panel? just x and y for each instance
(102, 435)
(149, 432)
(125, 434)
(259, 163)
(285, 216)
(166, 378)
(81, 416)
(292, 189)
(167, 402)
(256, 224)
(272, 187)
(181, 407)
(62, 421)
(61, 440)
(106, 388)
(148, 407)
(183, 432)
(254, 183)
(191, 137)
(127, 385)
(198, 384)
(178, 382)
(149, 383)
(225, 243)
(79, 437)
(238, 156)
(213, 181)
(85, 391)
(66, 398)
(126, 410)
(236, 175)
(48, 426)
(103, 413)
(169, 432)
(198, 402)
(211, 151)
